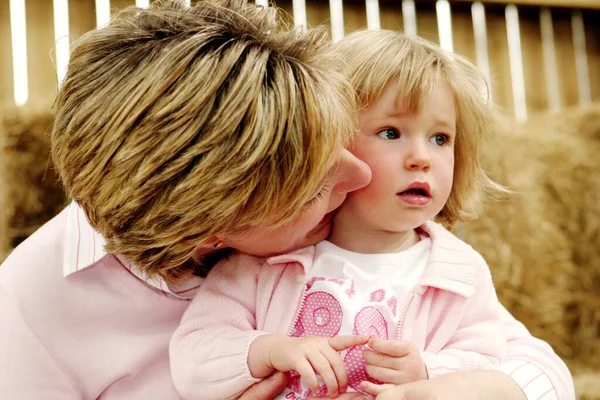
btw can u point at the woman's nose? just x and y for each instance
(351, 173)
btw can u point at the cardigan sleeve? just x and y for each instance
(529, 361)
(479, 340)
(534, 366)
(209, 350)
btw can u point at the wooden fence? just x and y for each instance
(540, 55)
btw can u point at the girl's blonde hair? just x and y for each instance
(178, 123)
(414, 66)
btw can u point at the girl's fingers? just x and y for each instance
(382, 360)
(340, 343)
(338, 368)
(323, 367)
(374, 389)
(384, 374)
(393, 348)
(305, 369)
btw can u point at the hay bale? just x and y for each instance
(529, 257)
(543, 243)
(574, 184)
(587, 382)
(31, 193)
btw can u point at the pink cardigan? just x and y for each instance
(452, 315)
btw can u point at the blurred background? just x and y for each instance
(543, 60)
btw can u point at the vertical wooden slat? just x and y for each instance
(61, 38)
(463, 38)
(516, 62)
(409, 16)
(336, 10)
(499, 58)
(40, 51)
(592, 42)
(565, 58)
(551, 73)
(583, 79)
(317, 13)
(116, 5)
(355, 15)
(102, 12)
(6, 69)
(533, 60)
(391, 16)
(18, 38)
(444, 23)
(82, 17)
(481, 40)
(299, 7)
(373, 21)
(427, 24)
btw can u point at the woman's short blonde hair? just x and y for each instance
(178, 123)
(377, 59)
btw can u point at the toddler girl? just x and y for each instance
(392, 296)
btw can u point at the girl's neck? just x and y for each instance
(371, 242)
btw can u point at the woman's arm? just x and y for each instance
(530, 371)
(268, 388)
(467, 385)
(534, 365)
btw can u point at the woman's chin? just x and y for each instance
(320, 233)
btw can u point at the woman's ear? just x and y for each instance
(207, 247)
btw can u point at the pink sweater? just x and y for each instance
(98, 333)
(452, 315)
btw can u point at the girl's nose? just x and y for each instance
(418, 158)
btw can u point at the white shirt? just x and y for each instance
(356, 294)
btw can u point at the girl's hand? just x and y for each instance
(309, 356)
(394, 361)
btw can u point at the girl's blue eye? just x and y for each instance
(389, 134)
(439, 139)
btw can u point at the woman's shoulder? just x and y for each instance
(36, 265)
(51, 298)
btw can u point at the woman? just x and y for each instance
(180, 132)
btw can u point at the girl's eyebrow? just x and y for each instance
(445, 123)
